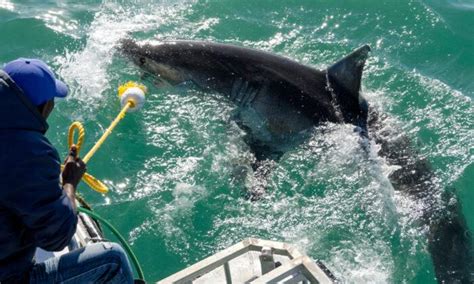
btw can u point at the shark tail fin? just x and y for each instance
(347, 72)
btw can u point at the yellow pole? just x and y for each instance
(133, 95)
(108, 131)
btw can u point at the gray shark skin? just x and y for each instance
(279, 98)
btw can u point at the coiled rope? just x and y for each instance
(132, 97)
(91, 181)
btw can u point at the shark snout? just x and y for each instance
(153, 61)
(128, 46)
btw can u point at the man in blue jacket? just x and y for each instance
(36, 210)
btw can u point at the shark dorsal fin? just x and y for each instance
(347, 72)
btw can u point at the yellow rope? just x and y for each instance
(80, 139)
(130, 101)
(91, 181)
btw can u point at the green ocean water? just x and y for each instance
(171, 167)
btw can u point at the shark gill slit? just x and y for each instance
(240, 97)
(247, 94)
(236, 86)
(253, 95)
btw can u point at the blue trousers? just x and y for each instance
(97, 263)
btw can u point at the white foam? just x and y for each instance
(7, 5)
(87, 71)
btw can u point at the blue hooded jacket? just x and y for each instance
(34, 210)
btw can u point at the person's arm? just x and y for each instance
(74, 169)
(70, 191)
(34, 194)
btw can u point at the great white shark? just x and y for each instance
(279, 98)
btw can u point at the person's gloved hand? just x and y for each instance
(74, 168)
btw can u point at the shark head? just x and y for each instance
(152, 61)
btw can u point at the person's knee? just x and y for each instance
(116, 255)
(115, 252)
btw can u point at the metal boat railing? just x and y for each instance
(291, 266)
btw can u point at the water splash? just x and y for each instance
(327, 196)
(87, 71)
(7, 5)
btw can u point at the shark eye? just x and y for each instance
(142, 60)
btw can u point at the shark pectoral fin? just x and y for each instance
(347, 72)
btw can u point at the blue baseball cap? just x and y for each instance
(36, 80)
